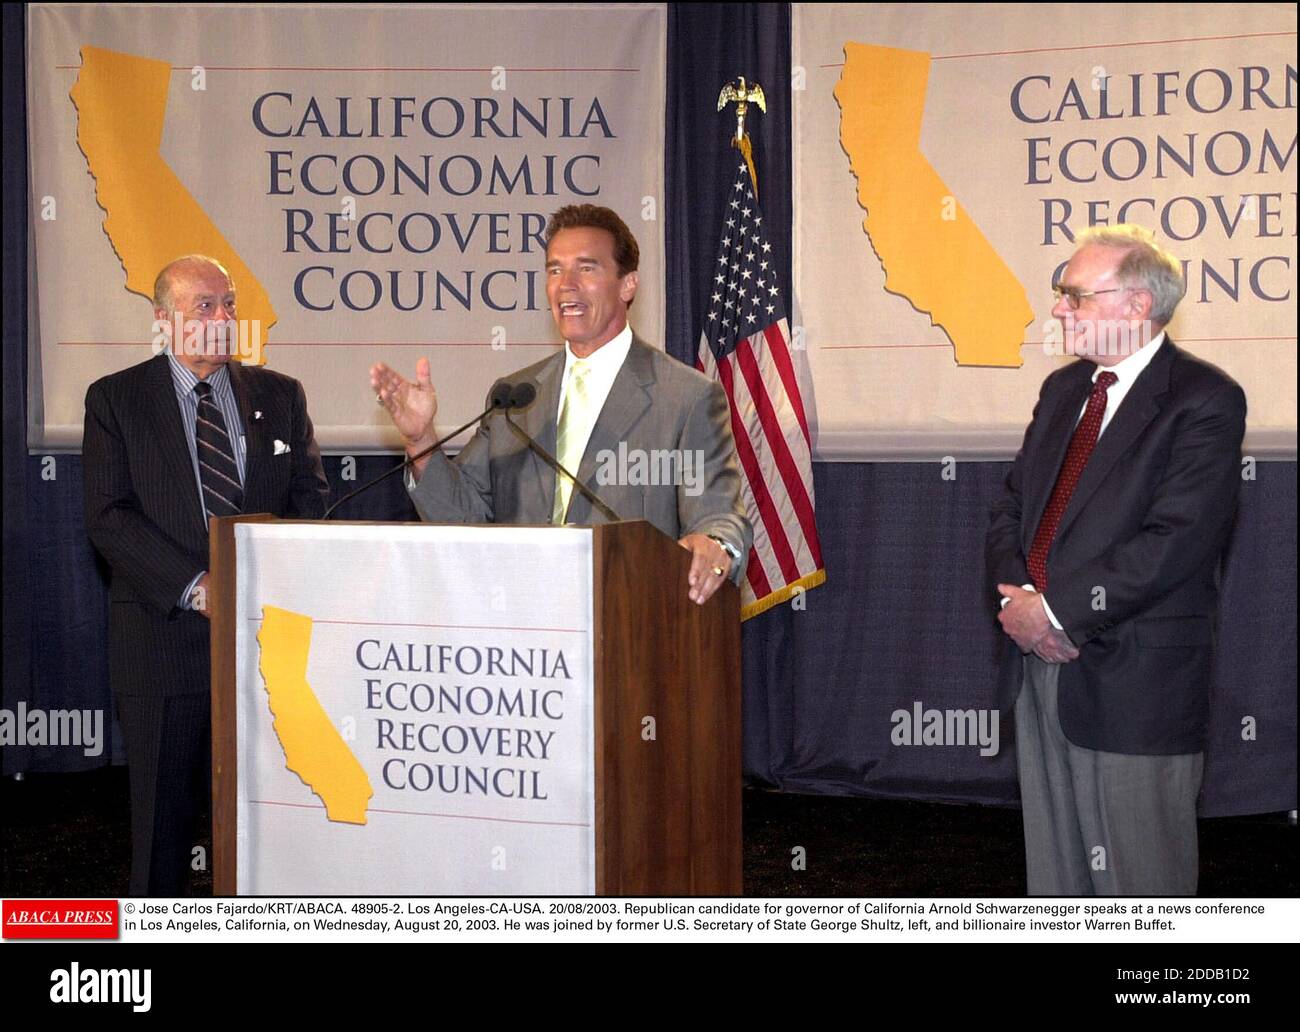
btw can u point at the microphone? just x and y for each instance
(500, 398)
(523, 395)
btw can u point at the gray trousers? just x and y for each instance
(1100, 823)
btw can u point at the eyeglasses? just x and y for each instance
(1073, 295)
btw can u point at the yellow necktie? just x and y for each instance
(571, 436)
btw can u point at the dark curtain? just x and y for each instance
(55, 608)
(710, 45)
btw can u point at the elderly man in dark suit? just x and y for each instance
(1105, 548)
(168, 443)
(606, 396)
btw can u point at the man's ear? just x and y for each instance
(1140, 302)
(162, 332)
(627, 289)
(162, 325)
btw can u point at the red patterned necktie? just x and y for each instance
(1076, 458)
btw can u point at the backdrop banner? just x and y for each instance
(376, 178)
(946, 155)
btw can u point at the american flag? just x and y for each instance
(745, 345)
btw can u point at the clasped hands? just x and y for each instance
(1025, 620)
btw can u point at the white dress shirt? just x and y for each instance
(1127, 370)
(602, 367)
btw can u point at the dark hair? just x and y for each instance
(592, 216)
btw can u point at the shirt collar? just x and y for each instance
(1130, 368)
(607, 359)
(186, 380)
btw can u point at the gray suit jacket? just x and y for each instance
(656, 403)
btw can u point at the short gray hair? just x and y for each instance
(162, 286)
(1145, 265)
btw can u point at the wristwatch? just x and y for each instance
(730, 549)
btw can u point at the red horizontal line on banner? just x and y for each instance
(422, 813)
(410, 344)
(552, 344)
(308, 68)
(1114, 46)
(475, 817)
(881, 347)
(335, 344)
(1194, 340)
(1033, 343)
(452, 626)
(1096, 46)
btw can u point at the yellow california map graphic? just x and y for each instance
(313, 748)
(151, 217)
(943, 265)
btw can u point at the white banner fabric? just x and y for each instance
(944, 156)
(414, 710)
(377, 178)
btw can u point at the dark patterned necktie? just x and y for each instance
(222, 493)
(1076, 458)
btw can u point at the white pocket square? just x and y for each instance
(281, 448)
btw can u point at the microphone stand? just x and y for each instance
(551, 461)
(497, 403)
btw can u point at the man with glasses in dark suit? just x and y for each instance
(1105, 548)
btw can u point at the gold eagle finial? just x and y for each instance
(742, 94)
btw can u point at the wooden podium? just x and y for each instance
(665, 708)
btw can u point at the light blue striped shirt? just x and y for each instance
(184, 381)
(224, 395)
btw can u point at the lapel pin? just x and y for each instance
(257, 415)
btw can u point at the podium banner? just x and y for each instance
(414, 710)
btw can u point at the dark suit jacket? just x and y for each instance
(1132, 574)
(655, 403)
(144, 515)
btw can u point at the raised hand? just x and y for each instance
(411, 406)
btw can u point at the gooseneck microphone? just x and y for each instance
(501, 398)
(523, 395)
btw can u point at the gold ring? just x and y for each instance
(718, 570)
